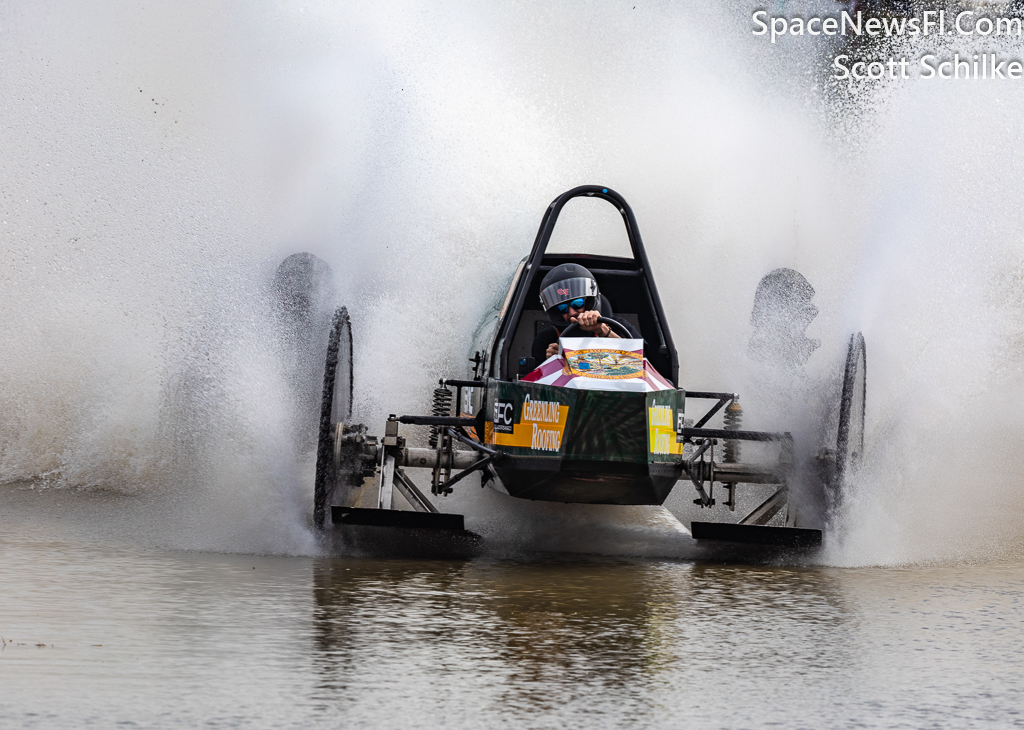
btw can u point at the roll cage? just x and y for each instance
(627, 283)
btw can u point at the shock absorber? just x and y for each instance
(442, 407)
(733, 421)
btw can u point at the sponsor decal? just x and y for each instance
(662, 437)
(661, 416)
(504, 413)
(541, 425)
(545, 439)
(563, 292)
(541, 410)
(544, 412)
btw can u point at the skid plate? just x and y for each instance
(793, 537)
(396, 518)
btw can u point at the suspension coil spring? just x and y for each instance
(442, 407)
(733, 418)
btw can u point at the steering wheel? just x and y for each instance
(615, 327)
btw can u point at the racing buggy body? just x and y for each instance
(604, 421)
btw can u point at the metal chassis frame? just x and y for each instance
(393, 454)
(701, 471)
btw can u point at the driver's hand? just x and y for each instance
(588, 321)
(552, 350)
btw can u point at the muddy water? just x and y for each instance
(101, 628)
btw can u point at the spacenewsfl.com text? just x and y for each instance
(967, 25)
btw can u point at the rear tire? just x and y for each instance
(335, 413)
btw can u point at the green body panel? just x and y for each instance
(608, 426)
(586, 446)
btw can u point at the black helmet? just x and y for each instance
(565, 283)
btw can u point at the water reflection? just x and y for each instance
(563, 628)
(124, 633)
(540, 636)
(529, 636)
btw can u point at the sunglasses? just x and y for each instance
(575, 304)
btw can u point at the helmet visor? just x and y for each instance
(567, 290)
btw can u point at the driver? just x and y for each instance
(569, 294)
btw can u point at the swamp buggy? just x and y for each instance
(602, 422)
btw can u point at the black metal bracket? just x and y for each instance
(464, 383)
(701, 471)
(436, 421)
(478, 364)
(723, 399)
(763, 513)
(720, 433)
(471, 443)
(459, 385)
(411, 492)
(446, 487)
